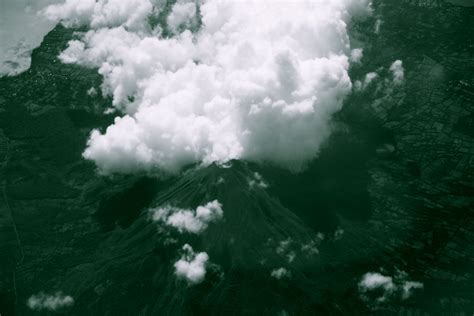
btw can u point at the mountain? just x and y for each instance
(255, 236)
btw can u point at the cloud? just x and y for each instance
(398, 72)
(257, 181)
(280, 273)
(284, 250)
(378, 24)
(259, 81)
(339, 233)
(310, 248)
(387, 86)
(187, 220)
(373, 280)
(289, 249)
(54, 302)
(408, 288)
(356, 55)
(377, 288)
(131, 14)
(191, 266)
(368, 79)
(182, 15)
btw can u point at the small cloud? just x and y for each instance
(398, 72)
(371, 76)
(385, 150)
(92, 92)
(191, 266)
(188, 220)
(101, 14)
(368, 79)
(290, 256)
(280, 273)
(182, 15)
(283, 246)
(257, 181)
(377, 288)
(310, 249)
(408, 288)
(338, 233)
(378, 24)
(54, 302)
(284, 250)
(373, 280)
(356, 55)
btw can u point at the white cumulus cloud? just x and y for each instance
(368, 79)
(357, 54)
(397, 71)
(280, 273)
(408, 287)
(259, 81)
(182, 15)
(257, 181)
(191, 266)
(54, 302)
(131, 14)
(188, 220)
(284, 250)
(374, 280)
(386, 287)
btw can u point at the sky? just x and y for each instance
(21, 29)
